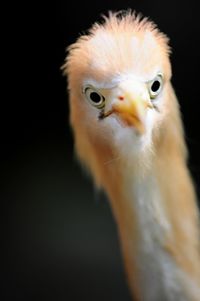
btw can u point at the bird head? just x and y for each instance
(119, 83)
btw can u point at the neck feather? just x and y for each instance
(158, 226)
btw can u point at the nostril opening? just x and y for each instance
(121, 98)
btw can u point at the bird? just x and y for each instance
(129, 134)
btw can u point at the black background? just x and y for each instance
(59, 236)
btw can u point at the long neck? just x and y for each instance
(158, 226)
(155, 210)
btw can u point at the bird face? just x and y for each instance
(128, 101)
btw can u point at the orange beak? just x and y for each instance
(131, 108)
(132, 113)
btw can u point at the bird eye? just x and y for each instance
(155, 86)
(94, 97)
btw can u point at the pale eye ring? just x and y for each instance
(94, 97)
(155, 86)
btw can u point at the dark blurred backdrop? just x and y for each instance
(59, 237)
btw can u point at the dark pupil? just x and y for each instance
(95, 97)
(155, 86)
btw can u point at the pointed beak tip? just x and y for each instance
(132, 113)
